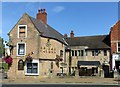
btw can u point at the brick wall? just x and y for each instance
(115, 36)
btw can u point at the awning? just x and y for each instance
(89, 63)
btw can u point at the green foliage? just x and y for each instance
(2, 47)
(4, 66)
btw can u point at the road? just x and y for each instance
(55, 85)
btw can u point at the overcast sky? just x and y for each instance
(84, 18)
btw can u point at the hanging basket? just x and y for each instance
(8, 60)
(29, 58)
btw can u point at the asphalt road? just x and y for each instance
(55, 85)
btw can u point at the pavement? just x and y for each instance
(64, 80)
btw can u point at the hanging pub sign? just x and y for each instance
(20, 64)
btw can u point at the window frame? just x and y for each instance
(33, 61)
(105, 53)
(95, 52)
(19, 31)
(18, 47)
(72, 53)
(118, 47)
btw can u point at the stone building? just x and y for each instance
(87, 54)
(33, 39)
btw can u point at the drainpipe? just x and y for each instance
(38, 45)
(70, 62)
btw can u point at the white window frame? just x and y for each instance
(25, 30)
(33, 61)
(118, 47)
(18, 46)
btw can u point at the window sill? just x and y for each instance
(31, 74)
(20, 55)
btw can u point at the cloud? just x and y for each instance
(58, 9)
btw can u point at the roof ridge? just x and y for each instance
(89, 36)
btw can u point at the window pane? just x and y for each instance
(82, 53)
(22, 31)
(72, 53)
(29, 70)
(119, 49)
(22, 34)
(21, 49)
(92, 53)
(29, 65)
(75, 52)
(34, 71)
(32, 67)
(61, 53)
(118, 46)
(35, 65)
(78, 52)
(105, 52)
(96, 52)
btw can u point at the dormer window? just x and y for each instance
(22, 31)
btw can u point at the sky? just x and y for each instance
(84, 18)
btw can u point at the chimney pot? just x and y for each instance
(72, 34)
(42, 15)
(39, 10)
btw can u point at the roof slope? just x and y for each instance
(93, 42)
(46, 30)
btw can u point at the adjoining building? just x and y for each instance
(38, 50)
(92, 55)
(88, 54)
(115, 46)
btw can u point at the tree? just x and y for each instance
(2, 48)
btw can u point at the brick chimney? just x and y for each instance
(72, 34)
(42, 15)
(65, 36)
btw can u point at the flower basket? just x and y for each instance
(29, 58)
(57, 60)
(8, 60)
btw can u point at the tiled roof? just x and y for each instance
(93, 42)
(46, 30)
